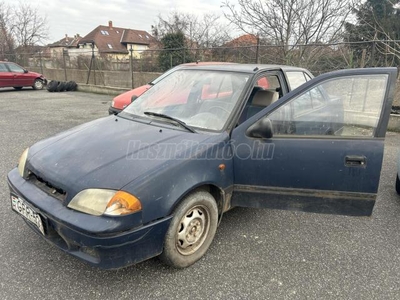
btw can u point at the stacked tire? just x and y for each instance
(61, 86)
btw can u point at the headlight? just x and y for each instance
(22, 162)
(99, 202)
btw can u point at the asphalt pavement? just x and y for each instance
(256, 254)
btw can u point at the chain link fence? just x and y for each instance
(139, 67)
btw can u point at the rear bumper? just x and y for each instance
(113, 110)
(70, 230)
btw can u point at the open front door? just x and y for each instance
(326, 151)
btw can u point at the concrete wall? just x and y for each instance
(104, 78)
(394, 123)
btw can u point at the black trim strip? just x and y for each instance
(303, 192)
(306, 200)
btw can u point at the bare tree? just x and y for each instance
(6, 39)
(378, 23)
(200, 31)
(28, 27)
(290, 23)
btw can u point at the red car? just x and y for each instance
(123, 100)
(13, 75)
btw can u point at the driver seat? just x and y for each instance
(261, 99)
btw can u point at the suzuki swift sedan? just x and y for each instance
(157, 178)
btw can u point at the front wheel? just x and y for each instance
(397, 184)
(38, 84)
(191, 231)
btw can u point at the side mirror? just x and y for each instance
(25, 71)
(134, 97)
(261, 129)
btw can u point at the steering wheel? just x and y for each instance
(221, 108)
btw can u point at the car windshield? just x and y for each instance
(164, 75)
(202, 99)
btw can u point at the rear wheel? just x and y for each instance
(38, 84)
(191, 231)
(397, 184)
(18, 88)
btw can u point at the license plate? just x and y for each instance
(24, 209)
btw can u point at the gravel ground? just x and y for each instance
(257, 253)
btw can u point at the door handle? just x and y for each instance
(355, 161)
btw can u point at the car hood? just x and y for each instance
(35, 74)
(107, 153)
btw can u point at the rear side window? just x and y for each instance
(296, 79)
(3, 68)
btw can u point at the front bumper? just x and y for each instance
(113, 110)
(87, 237)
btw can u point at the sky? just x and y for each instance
(82, 16)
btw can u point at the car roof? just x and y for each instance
(248, 68)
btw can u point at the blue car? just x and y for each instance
(157, 178)
(397, 177)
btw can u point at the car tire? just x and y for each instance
(74, 86)
(71, 86)
(191, 231)
(38, 84)
(61, 87)
(18, 88)
(52, 86)
(397, 184)
(68, 86)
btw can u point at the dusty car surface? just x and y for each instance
(13, 75)
(199, 142)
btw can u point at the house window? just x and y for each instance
(104, 32)
(140, 35)
(147, 37)
(109, 46)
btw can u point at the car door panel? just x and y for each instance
(6, 77)
(310, 170)
(20, 77)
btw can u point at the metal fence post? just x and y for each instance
(40, 62)
(258, 50)
(131, 65)
(65, 65)
(90, 65)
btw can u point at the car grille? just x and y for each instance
(47, 187)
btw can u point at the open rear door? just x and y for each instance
(326, 151)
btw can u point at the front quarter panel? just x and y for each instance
(161, 190)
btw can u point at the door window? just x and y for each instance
(349, 106)
(16, 69)
(296, 79)
(266, 91)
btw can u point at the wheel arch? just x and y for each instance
(217, 192)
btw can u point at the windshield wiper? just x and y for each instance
(183, 124)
